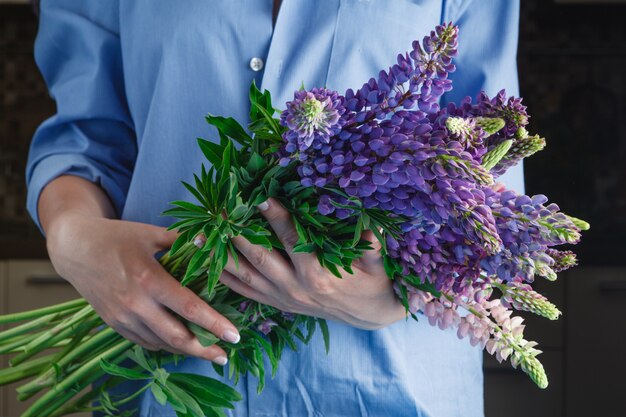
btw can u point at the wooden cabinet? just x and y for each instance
(596, 341)
(27, 285)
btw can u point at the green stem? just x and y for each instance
(102, 339)
(84, 372)
(14, 345)
(24, 370)
(57, 333)
(29, 326)
(27, 315)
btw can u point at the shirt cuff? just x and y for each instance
(57, 165)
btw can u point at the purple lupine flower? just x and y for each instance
(562, 259)
(312, 117)
(288, 315)
(528, 228)
(266, 325)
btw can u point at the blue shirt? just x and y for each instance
(133, 80)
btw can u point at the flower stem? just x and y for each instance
(102, 339)
(32, 314)
(24, 370)
(41, 407)
(29, 326)
(54, 335)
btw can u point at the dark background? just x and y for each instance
(572, 66)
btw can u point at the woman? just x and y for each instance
(132, 81)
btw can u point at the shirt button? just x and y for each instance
(256, 64)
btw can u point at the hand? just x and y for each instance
(111, 263)
(301, 285)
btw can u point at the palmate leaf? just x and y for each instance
(231, 128)
(197, 194)
(212, 151)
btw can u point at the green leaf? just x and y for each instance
(238, 212)
(305, 248)
(189, 207)
(267, 347)
(357, 231)
(213, 385)
(217, 265)
(205, 397)
(212, 151)
(205, 337)
(160, 374)
(332, 268)
(107, 403)
(231, 313)
(138, 355)
(255, 164)
(175, 401)
(180, 241)
(258, 240)
(196, 262)
(325, 334)
(197, 195)
(230, 127)
(158, 393)
(273, 123)
(125, 373)
(190, 403)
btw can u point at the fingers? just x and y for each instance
(282, 224)
(135, 338)
(179, 339)
(249, 276)
(184, 302)
(242, 288)
(272, 265)
(147, 334)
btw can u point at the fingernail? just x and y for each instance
(199, 241)
(264, 205)
(231, 337)
(221, 360)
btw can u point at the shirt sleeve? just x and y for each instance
(91, 135)
(487, 58)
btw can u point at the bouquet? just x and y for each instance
(385, 158)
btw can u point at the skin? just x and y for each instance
(112, 265)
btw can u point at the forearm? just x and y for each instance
(70, 195)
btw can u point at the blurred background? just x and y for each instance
(572, 66)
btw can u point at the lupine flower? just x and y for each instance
(520, 149)
(391, 147)
(265, 327)
(562, 259)
(312, 118)
(522, 297)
